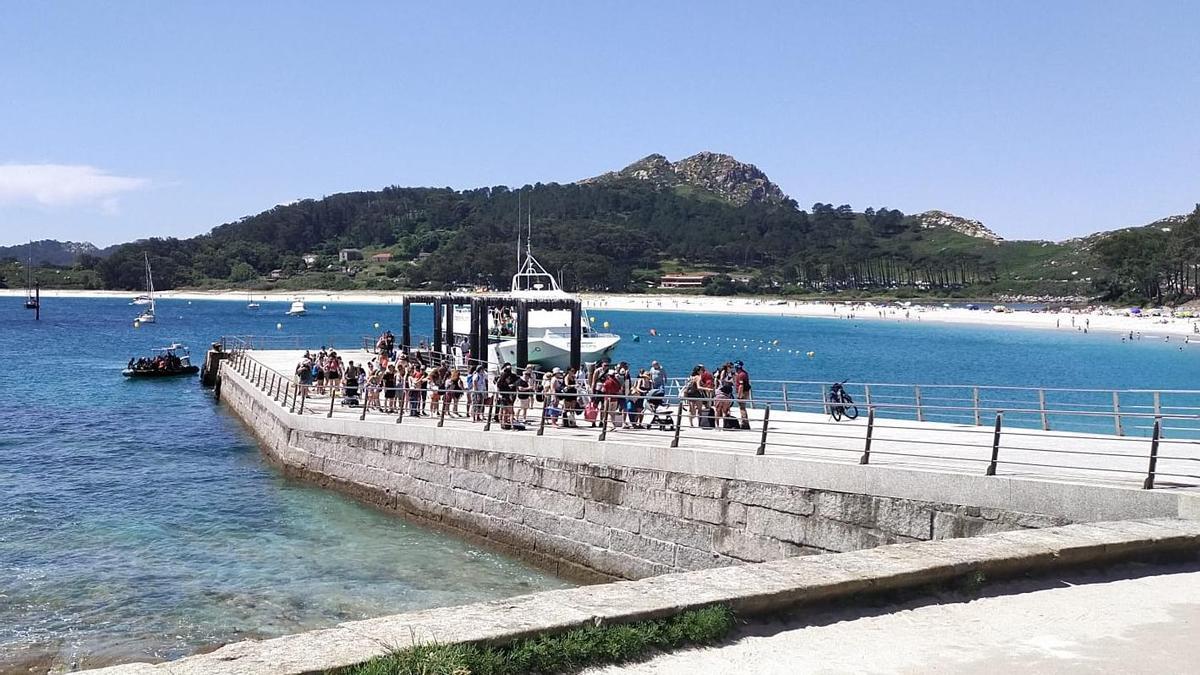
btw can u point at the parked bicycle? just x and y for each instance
(840, 403)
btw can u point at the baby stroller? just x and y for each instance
(660, 413)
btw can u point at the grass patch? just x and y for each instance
(562, 653)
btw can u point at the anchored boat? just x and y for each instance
(147, 315)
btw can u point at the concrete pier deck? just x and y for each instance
(1087, 458)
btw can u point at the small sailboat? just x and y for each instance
(252, 304)
(297, 308)
(147, 315)
(32, 297)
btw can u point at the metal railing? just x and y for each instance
(1120, 412)
(904, 434)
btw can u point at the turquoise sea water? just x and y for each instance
(137, 519)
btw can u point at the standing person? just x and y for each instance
(693, 394)
(568, 397)
(612, 388)
(478, 384)
(658, 376)
(454, 391)
(350, 397)
(741, 384)
(525, 390)
(506, 390)
(389, 389)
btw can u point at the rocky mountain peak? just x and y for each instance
(716, 173)
(971, 228)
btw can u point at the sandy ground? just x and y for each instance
(1110, 320)
(1138, 619)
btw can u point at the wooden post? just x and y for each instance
(678, 423)
(1042, 408)
(991, 470)
(1148, 484)
(975, 403)
(866, 456)
(917, 396)
(1117, 413)
(762, 443)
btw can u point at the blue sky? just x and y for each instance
(1044, 120)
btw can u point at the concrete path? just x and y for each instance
(1136, 619)
(934, 446)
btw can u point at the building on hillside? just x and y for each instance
(684, 280)
(381, 257)
(347, 254)
(310, 259)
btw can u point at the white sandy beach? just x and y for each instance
(1110, 320)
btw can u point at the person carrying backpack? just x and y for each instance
(741, 383)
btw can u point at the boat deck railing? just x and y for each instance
(993, 431)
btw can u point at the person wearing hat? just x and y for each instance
(741, 385)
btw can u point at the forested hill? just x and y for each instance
(623, 230)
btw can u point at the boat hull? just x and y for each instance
(156, 374)
(552, 352)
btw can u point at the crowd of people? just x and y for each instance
(163, 362)
(419, 383)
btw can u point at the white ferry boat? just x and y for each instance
(549, 331)
(297, 308)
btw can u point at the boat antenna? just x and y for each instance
(518, 231)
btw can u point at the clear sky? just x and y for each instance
(1042, 119)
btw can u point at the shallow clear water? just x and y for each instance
(138, 519)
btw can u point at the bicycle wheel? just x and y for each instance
(850, 411)
(836, 411)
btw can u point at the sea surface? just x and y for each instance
(138, 519)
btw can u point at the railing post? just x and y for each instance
(401, 396)
(303, 398)
(487, 426)
(991, 470)
(866, 456)
(678, 423)
(786, 405)
(975, 403)
(362, 401)
(867, 395)
(917, 396)
(1148, 484)
(762, 443)
(542, 422)
(287, 389)
(604, 414)
(332, 398)
(1042, 409)
(1158, 409)
(442, 404)
(1117, 413)
(276, 380)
